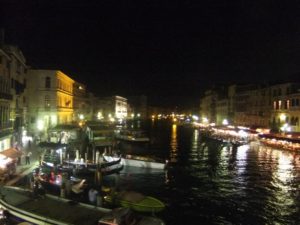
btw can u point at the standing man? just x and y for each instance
(28, 158)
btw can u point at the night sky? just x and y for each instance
(167, 50)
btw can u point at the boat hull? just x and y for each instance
(21, 204)
(147, 204)
(139, 163)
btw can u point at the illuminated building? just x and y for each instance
(6, 128)
(50, 99)
(111, 108)
(275, 106)
(286, 106)
(12, 95)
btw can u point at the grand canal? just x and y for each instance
(211, 184)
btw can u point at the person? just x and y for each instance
(28, 158)
(93, 196)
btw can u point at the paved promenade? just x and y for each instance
(23, 169)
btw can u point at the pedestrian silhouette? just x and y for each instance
(28, 158)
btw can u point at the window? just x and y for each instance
(279, 104)
(47, 82)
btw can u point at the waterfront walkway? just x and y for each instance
(23, 169)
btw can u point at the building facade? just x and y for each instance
(274, 106)
(50, 99)
(6, 98)
(82, 103)
(112, 108)
(285, 106)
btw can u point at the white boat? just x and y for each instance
(132, 135)
(137, 161)
(20, 205)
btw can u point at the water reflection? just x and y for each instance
(210, 183)
(173, 144)
(241, 157)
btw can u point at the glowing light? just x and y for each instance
(54, 119)
(40, 124)
(204, 120)
(99, 116)
(282, 117)
(225, 122)
(81, 116)
(138, 115)
(195, 117)
(285, 128)
(132, 115)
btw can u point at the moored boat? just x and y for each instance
(85, 171)
(138, 161)
(20, 205)
(132, 135)
(135, 201)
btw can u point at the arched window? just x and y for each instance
(47, 82)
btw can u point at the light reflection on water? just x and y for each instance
(173, 144)
(212, 184)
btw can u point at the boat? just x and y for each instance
(19, 205)
(132, 135)
(135, 201)
(54, 182)
(89, 165)
(138, 161)
(85, 171)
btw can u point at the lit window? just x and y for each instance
(274, 105)
(279, 104)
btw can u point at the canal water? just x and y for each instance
(212, 184)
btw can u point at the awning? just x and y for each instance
(11, 153)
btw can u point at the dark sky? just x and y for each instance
(167, 50)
